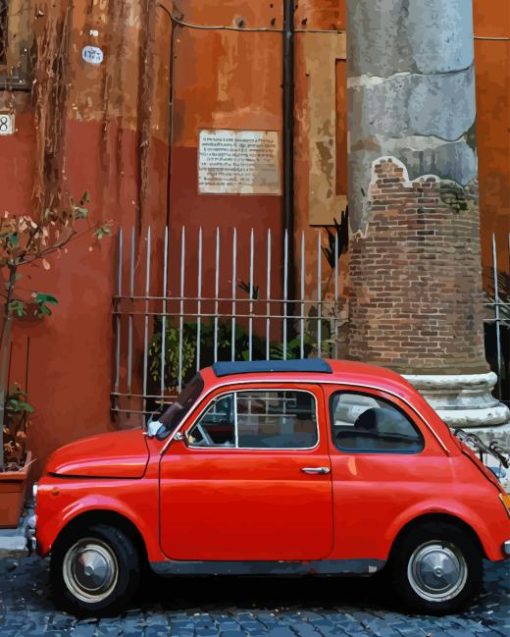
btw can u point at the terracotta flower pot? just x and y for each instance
(13, 490)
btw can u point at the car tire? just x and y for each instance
(436, 568)
(94, 571)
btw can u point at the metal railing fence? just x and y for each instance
(188, 300)
(497, 318)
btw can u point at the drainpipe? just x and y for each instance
(288, 141)
(171, 103)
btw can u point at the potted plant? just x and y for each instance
(18, 461)
(27, 241)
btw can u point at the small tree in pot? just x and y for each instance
(25, 241)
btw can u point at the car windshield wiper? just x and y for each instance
(494, 449)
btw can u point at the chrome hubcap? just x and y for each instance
(90, 570)
(437, 571)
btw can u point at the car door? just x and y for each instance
(251, 480)
(384, 461)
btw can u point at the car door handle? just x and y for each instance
(316, 471)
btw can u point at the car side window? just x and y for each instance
(365, 424)
(258, 420)
(276, 420)
(216, 427)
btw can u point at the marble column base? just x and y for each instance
(466, 401)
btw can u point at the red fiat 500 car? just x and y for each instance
(275, 468)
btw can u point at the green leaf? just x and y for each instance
(42, 297)
(24, 406)
(17, 308)
(13, 239)
(103, 231)
(43, 302)
(80, 212)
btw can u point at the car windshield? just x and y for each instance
(178, 410)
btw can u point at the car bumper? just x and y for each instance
(30, 530)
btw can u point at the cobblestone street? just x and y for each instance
(252, 607)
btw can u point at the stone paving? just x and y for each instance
(223, 607)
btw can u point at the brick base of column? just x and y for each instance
(416, 304)
(416, 279)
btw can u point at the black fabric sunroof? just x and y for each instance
(311, 366)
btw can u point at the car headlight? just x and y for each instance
(505, 499)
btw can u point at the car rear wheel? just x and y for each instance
(94, 571)
(436, 568)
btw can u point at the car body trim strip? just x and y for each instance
(315, 567)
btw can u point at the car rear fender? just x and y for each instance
(449, 509)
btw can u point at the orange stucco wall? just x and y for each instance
(202, 79)
(492, 20)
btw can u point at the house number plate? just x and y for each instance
(6, 124)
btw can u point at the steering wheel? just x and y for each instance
(205, 436)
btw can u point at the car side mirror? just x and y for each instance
(161, 433)
(180, 437)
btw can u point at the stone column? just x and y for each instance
(415, 250)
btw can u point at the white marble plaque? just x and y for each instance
(239, 162)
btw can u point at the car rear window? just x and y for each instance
(362, 423)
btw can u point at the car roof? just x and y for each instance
(309, 370)
(310, 365)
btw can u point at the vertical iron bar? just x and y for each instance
(132, 294)
(497, 310)
(336, 309)
(199, 299)
(234, 291)
(288, 140)
(164, 318)
(118, 317)
(507, 325)
(252, 291)
(216, 294)
(181, 308)
(146, 316)
(285, 290)
(319, 293)
(236, 426)
(268, 305)
(302, 319)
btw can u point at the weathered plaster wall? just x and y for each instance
(492, 20)
(226, 79)
(70, 355)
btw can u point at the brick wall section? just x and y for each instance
(416, 279)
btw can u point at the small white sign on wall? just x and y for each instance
(7, 124)
(92, 55)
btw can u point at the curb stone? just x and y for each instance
(13, 547)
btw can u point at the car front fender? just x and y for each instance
(59, 505)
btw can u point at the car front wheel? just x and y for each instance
(436, 568)
(94, 571)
